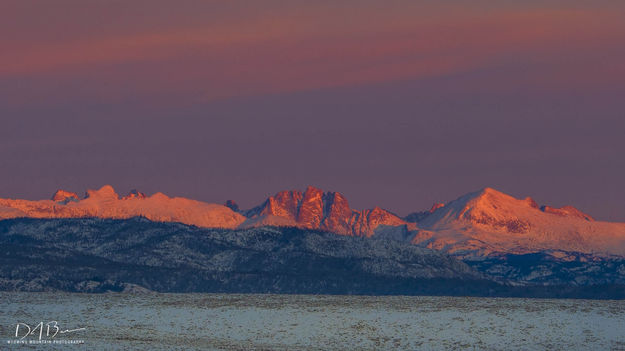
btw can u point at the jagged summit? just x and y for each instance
(316, 209)
(436, 206)
(134, 194)
(64, 196)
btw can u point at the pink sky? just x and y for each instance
(209, 50)
(119, 75)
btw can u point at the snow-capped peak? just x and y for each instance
(489, 220)
(106, 191)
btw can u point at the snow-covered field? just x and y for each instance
(293, 322)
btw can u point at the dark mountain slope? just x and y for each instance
(102, 254)
(99, 255)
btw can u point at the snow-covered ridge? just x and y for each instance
(106, 203)
(488, 221)
(312, 209)
(478, 224)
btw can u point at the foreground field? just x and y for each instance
(228, 322)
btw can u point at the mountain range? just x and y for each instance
(479, 239)
(486, 223)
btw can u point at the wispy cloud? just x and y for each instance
(320, 46)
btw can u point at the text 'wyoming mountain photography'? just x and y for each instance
(298, 175)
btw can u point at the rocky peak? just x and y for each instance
(336, 213)
(231, 204)
(64, 196)
(310, 212)
(365, 222)
(379, 214)
(134, 194)
(335, 204)
(329, 211)
(284, 204)
(436, 206)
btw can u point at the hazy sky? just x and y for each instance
(393, 103)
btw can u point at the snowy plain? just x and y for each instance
(309, 322)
